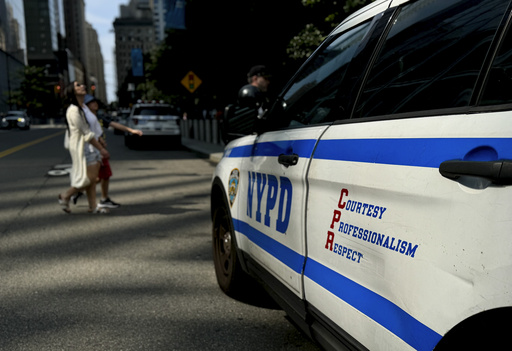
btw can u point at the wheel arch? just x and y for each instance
(218, 195)
(481, 331)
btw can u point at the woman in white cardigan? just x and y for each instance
(83, 172)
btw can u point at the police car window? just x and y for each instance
(154, 111)
(311, 99)
(498, 89)
(431, 57)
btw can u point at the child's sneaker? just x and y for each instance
(75, 197)
(108, 203)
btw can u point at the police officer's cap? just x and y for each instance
(259, 70)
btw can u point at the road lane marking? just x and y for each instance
(23, 146)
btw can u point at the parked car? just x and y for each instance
(16, 119)
(156, 120)
(121, 116)
(374, 203)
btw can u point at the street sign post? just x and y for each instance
(191, 82)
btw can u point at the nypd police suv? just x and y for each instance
(155, 120)
(374, 201)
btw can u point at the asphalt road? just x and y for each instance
(139, 278)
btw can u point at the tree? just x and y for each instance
(302, 45)
(224, 39)
(35, 94)
(325, 15)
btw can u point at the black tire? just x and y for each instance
(231, 277)
(488, 330)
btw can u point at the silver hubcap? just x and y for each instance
(226, 240)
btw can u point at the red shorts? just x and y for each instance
(105, 171)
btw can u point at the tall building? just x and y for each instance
(133, 30)
(44, 36)
(74, 15)
(95, 64)
(12, 29)
(159, 8)
(82, 41)
(167, 14)
(45, 39)
(13, 49)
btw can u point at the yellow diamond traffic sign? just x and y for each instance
(191, 82)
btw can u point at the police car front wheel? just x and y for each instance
(231, 277)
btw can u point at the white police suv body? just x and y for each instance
(375, 201)
(155, 120)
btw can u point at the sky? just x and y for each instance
(101, 15)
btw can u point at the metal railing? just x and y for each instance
(204, 130)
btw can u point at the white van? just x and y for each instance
(374, 202)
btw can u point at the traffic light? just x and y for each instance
(56, 89)
(93, 89)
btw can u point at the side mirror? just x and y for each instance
(238, 121)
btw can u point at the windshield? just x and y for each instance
(155, 111)
(16, 113)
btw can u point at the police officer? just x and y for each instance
(254, 94)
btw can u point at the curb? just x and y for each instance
(214, 152)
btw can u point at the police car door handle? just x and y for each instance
(288, 160)
(499, 172)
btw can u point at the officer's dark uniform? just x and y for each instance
(251, 96)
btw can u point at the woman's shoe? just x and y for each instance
(99, 210)
(64, 205)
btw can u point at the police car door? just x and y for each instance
(275, 166)
(398, 253)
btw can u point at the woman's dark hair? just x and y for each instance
(72, 100)
(70, 95)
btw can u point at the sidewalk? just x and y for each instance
(213, 151)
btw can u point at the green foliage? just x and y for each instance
(303, 44)
(354, 5)
(310, 3)
(224, 39)
(325, 15)
(35, 93)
